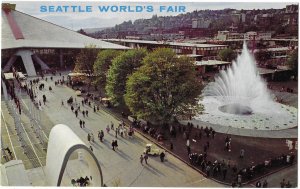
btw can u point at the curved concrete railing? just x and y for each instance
(62, 143)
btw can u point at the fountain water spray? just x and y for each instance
(240, 89)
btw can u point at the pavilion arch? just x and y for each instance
(62, 143)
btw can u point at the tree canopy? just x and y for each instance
(163, 87)
(226, 55)
(293, 61)
(85, 59)
(122, 67)
(262, 56)
(102, 64)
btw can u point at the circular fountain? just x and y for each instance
(239, 98)
(235, 108)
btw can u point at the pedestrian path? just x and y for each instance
(120, 167)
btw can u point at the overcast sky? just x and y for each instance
(96, 19)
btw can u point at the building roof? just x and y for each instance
(211, 62)
(37, 33)
(263, 71)
(166, 43)
(191, 55)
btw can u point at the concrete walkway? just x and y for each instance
(289, 174)
(121, 167)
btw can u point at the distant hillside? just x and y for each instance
(94, 30)
(207, 23)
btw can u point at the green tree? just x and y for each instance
(226, 55)
(262, 56)
(102, 64)
(84, 62)
(293, 62)
(85, 59)
(122, 67)
(165, 86)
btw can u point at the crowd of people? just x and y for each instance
(212, 168)
(81, 181)
(219, 169)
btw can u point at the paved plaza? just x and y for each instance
(120, 168)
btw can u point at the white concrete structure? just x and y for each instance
(62, 143)
(24, 32)
(13, 174)
(42, 34)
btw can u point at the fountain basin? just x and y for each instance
(236, 108)
(276, 116)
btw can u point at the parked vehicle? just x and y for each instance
(151, 150)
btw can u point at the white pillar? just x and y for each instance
(194, 50)
(27, 61)
(43, 65)
(10, 62)
(61, 61)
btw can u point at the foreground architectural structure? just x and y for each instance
(22, 33)
(62, 143)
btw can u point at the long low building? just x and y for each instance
(22, 33)
(209, 51)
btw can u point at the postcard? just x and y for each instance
(149, 94)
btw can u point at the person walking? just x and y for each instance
(162, 156)
(76, 113)
(146, 157)
(239, 180)
(116, 144)
(242, 153)
(87, 113)
(101, 136)
(288, 185)
(224, 173)
(107, 129)
(113, 145)
(80, 123)
(89, 137)
(116, 132)
(207, 170)
(258, 184)
(83, 113)
(141, 159)
(112, 125)
(265, 184)
(91, 148)
(282, 183)
(94, 109)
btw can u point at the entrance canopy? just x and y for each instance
(20, 30)
(11, 75)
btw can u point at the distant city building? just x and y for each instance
(226, 35)
(200, 23)
(291, 9)
(236, 18)
(257, 35)
(290, 19)
(207, 51)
